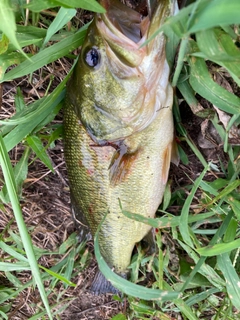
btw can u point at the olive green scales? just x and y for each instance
(119, 127)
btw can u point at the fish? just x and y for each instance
(118, 129)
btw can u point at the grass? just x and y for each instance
(197, 266)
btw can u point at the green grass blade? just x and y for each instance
(11, 186)
(203, 268)
(70, 264)
(21, 131)
(91, 5)
(227, 190)
(235, 204)
(20, 172)
(188, 94)
(216, 13)
(58, 276)
(219, 248)
(36, 144)
(232, 279)
(119, 316)
(166, 222)
(47, 55)
(220, 232)
(203, 84)
(183, 223)
(63, 17)
(8, 24)
(7, 59)
(182, 53)
(201, 296)
(16, 266)
(12, 252)
(38, 6)
(185, 309)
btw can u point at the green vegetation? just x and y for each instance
(204, 282)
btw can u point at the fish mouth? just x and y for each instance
(125, 29)
(124, 19)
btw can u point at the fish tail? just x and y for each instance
(101, 285)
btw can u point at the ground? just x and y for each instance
(45, 203)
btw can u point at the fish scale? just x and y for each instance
(108, 157)
(139, 192)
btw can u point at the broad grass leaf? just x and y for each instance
(16, 266)
(20, 132)
(215, 13)
(36, 144)
(49, 118)
(227, 190)
(204, 269)
(171, 46)
(58, 276)
(3, 314)
(185, 309)
(8, 24)
(202, 83)
(19, 101)
(63, 17)
(182, 155)
(219, 47)
(188, 94)
(202, 296)
(167, 196)
(7, 59)
(4, 42)
(39, 111)
(28, 35)
(119, 316)
(219, 248)
(231, 231)
(20, 173)
(68, 243)
(91, 5)
(38, 6)
(48, 55)
(12, 252)
(235, 205)
(70, 265)
(231, 277)
(13, 279)
(11, 187)
(166, 222)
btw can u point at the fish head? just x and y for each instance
(118, 85)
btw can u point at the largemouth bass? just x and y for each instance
(119, 128)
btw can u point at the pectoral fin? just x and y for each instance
(121, 164)
(166, 163)
(175, 154)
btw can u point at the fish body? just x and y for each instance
(118, 128)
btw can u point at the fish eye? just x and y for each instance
(92, 57)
